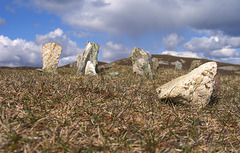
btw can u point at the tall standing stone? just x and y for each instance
(142, 63)
(51, 53)
(194, 88)
(89, 54)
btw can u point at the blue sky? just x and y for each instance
(191, 28)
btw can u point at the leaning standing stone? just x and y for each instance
(194, 88)
(142, 63)
(89, 54)
(51, 53)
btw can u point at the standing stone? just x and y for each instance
(194, 88)
(195, 64)
(51, 53)
(155, 64)
(178, 65)
(90, 69)
(79, 58)
(142, 63)
(73, 64)
(89, 54)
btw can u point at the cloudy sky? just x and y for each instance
(191, 28)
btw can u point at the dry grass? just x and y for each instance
(65, 113)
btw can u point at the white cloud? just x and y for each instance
(20, 52)
(69, 47)
(67, 60)
(112, 52)
(182, 54)
(2, 21)
(224, 52)
(172, 41)
(136, 17)
(235, 60)
(215, 46)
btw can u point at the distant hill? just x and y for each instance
(165, 61)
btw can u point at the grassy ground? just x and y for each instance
(65, 113)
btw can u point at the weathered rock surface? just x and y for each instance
(141, 62)
(89, 54)
(51, 53)
(90, 69)
(163, 62)
(114, 73)
(177, 64)
(194, 88)
(195, 64)
(79, 57)
(155, 64)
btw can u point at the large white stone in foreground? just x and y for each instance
(194, 88)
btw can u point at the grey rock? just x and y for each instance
(114, 73)
(79, 58)
(73, 64)
(163, 62)
(142, 63)
(178, 65)
(89, 54)
(155, 64)
(195, 64)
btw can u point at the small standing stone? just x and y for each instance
(178, 65)
(51, 53)
(195, 64)
(155, 64)
(142, 63)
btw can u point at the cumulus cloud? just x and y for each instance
(182, 54)
(20, 52)
(112, 51)
(2, 21)
(224, 52)
(70, 48)
(217, 46)
(138, 17)
(172, 41)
